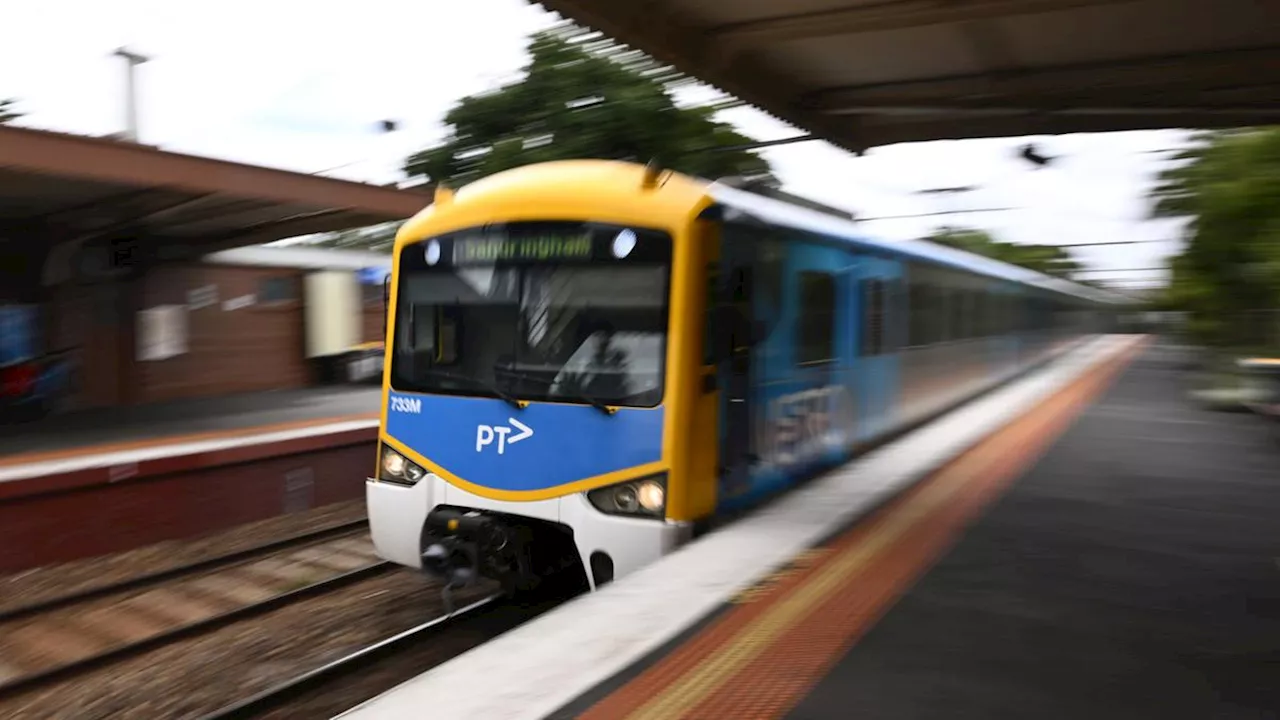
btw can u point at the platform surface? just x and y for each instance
(95, 483)
(87, 431)
(1132, 572)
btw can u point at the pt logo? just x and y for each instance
(486, 433)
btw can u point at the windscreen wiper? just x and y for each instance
(580, 396)
(490, 386)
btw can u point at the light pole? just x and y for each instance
(132, 61)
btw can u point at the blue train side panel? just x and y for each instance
(877, 373)
(489, 443)
(807, 416)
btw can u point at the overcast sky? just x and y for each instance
(300, 85)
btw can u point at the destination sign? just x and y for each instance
(530, 248)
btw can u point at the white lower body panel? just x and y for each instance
(397, 515)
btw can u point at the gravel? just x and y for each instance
(72, 634)
(343, 693)
(52, 581)
(203, 674)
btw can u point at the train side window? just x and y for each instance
(983, 323)
(967, 313)
(817, 317)
(988, 313)
(940, 314)
(872, 317)
(976, 304)
(933, 319)
(917, 311)
(896, 304)
(993, 312)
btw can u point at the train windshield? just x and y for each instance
(564, 312)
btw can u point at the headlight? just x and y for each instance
(646, 497)
(652, 496)
(399, 469)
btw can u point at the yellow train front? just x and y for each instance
(533, 380)
(584, 359)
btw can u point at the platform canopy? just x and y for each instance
(861, 73)
(76, 186)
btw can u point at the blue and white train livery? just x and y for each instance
(588, 360)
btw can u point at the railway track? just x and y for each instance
(139, 582)
(335, 686)
(290, 690)
(54, 640)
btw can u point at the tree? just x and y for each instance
(374, 238)
(1227, 277)
(9, 111)
(1047, 259)
(585, 98)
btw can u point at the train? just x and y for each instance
(590, 362)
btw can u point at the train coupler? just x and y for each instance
(462, 546)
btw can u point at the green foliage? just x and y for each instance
(9, 110)
(583, 97)
(375, 238)
(1047, 259)
(1227, 184)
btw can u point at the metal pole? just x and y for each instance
(132, 61)
(974, 211)
(947, 192)
(384, 127)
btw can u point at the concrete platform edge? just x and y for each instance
(130, 464)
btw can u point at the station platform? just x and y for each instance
(1085, 543)
(106, 481)
(94, 431)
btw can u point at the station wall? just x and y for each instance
(244, 332)
(187, 331)
(372, 327)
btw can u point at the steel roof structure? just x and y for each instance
(85, 186)
(862, 73)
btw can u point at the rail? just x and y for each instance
(289, 690)
(220, 562)
(59, 672)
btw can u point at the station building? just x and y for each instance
(131, 275)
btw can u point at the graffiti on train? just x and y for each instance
(800, 426)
